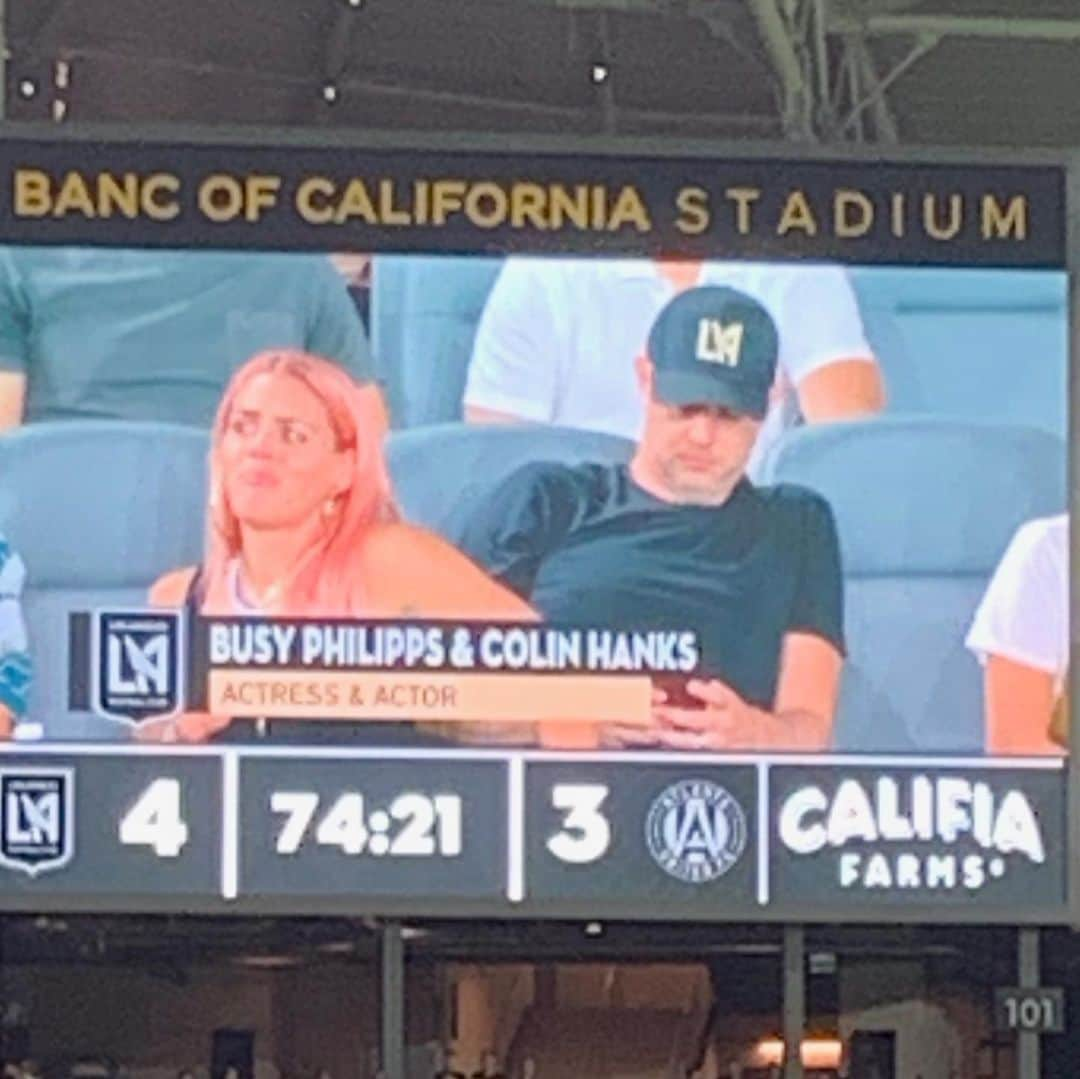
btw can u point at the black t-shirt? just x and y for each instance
(588, 547)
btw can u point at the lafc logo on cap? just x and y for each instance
(717, 343)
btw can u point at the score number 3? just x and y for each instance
(585, 835)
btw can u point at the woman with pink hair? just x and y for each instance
(302, 522)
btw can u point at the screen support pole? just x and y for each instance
(393, 1001)
(794, 1002)
(1028, 977)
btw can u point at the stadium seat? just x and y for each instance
(970, 344)
(439, 472)
(925, 509)
(98, 510)
(424, 312)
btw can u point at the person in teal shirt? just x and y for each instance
(107, 333)
(16, 668)
(679, 540)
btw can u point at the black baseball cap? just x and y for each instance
(714, 346)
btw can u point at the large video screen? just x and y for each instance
(565, 491)
(541, 501)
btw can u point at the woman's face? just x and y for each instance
(280, 459)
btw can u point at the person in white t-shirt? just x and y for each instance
(1021, 635)
(558, 339)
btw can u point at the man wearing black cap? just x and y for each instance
(680, 539)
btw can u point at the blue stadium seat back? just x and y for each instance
(424, 314)
(98, 510)
(389, 274)
(924, 510)
(440, 473)
(866, 721)
(970, 344)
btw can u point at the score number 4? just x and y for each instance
(155, 820)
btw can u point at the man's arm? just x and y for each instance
(824, 349)
(12, 399)
(476, 414)
(842, 390)
(16, 668)
(1019, 634)
(15, 341)
(520, 522)
(807, 694)
(1019, 705)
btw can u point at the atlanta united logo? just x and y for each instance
(695, 831)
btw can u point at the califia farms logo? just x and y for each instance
(695, 831)
(920, 832)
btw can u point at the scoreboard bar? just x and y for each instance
(532, 833)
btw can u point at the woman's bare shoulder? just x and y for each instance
(394, 542)
(171, 589)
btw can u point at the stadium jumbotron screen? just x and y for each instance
(485, 532)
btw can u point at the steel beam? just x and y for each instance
(794, 1002)
(1063, 30)
(1028, 975)
(796, 110)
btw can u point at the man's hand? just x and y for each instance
(7, 723)
(629, 736)
(188, 727)
(726, 721)
(634, 735)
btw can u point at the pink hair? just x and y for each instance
(326, 583)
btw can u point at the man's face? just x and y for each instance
(697, 452)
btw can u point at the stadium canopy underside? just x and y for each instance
(979, 73)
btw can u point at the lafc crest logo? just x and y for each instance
(37, 818)
(137, 662)
(695, 831)
(717, 343)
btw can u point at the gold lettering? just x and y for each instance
(693, 207)
(934, 229)
(156, 200)
(474, 205)
(899, 204)
(447, 198)
(853, 213)
(629, 209)
(1000, 224)
(566, 207)
(73, 195)
(744, 199)
(421, 202)
(32, 193)
(599, 207)
(221, 198)
(315, 187)
(388, 213)
(261, 193)
(121, 195)
(527, 206)
(356, 202)
(797, 215)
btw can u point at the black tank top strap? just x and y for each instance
(196, 593)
